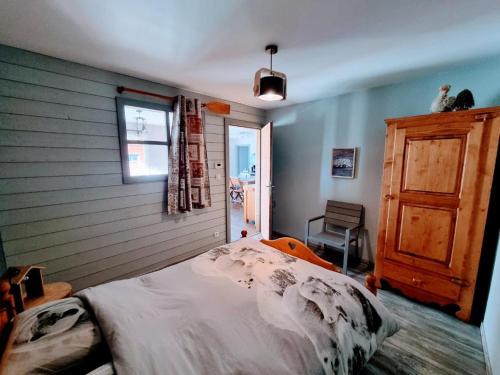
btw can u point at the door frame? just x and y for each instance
(271, 186)
(242, 124)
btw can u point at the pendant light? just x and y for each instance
(269, 84)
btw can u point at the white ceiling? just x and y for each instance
(214, 47)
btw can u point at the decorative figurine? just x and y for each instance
(464, 100)
(443, 102)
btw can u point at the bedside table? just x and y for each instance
(52, 292)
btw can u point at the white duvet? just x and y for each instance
(243, 308)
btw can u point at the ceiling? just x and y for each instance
(214, 47)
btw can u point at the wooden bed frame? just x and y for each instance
(7, 313)
(296, 248)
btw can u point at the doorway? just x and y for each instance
(248, 175)
(244, 174)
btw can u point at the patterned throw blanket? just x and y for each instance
(343, 320)
(244, 308)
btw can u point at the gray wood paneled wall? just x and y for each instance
(62, 201)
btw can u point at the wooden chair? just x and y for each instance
(235, 190)
(342, 223)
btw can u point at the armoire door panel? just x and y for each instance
(433, 164)
(429, 202)
(405, 244)
(427, 233)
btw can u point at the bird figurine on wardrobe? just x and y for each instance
(464, 100)
(443, 102)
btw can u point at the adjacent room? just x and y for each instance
(244, 174)
(249, 187)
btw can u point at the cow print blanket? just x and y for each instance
(244, 308)
(342, 319)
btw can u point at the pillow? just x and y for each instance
(52, 338)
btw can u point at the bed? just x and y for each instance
(250, 307)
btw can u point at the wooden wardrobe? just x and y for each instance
(438, 172)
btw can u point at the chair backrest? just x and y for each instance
(343, 214)
(234, 182)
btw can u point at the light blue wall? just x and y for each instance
(491, 324)
(305, 134)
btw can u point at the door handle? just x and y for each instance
(388, 197)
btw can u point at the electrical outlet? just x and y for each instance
(216, 234)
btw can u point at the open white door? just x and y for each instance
(266, 180)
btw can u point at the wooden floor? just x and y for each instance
(238, 224)
(429, 341)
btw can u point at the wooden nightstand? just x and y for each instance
(52, 292)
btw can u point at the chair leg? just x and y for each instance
(306, 237)
(346, 250)
(357, 244)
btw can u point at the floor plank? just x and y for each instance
(429, 342)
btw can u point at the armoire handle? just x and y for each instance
(458, 281)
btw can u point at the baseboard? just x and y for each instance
(489, 370)
(277, 234)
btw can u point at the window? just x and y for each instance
(144, 139)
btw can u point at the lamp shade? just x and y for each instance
(271, 88)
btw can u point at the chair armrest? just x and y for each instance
(308, 223)
(315, 218)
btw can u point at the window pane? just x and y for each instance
(147, 160)
(144, 124)
(170, 121)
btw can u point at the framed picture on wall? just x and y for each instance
(343, 162)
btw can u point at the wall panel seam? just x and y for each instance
(107, 234)
(145, 247)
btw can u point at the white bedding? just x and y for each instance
(243, 308)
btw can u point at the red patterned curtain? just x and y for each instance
(188, 181)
